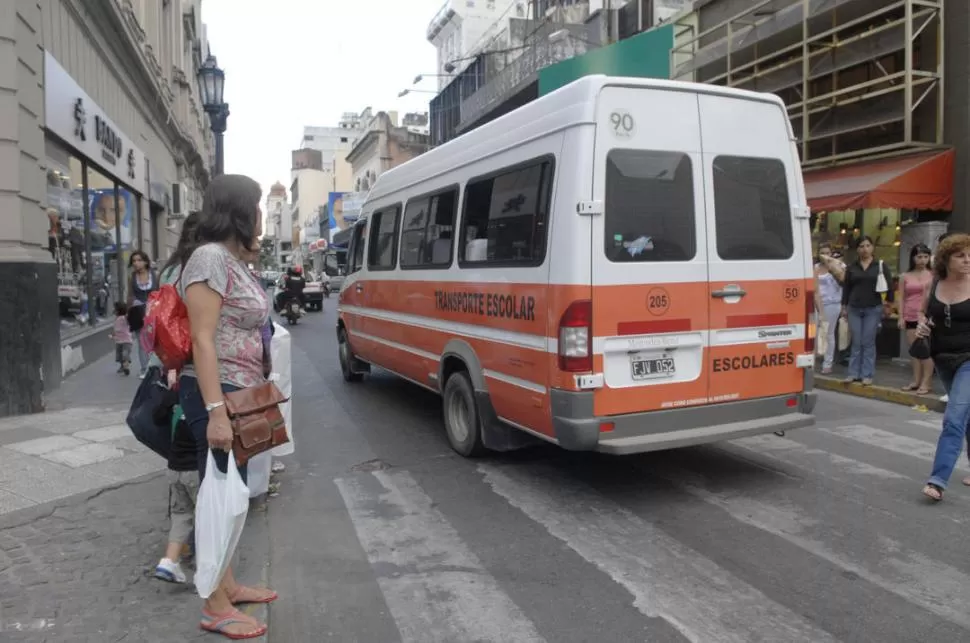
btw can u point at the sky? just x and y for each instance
(291, 63)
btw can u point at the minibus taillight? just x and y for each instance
(811, 321)
(576, 337)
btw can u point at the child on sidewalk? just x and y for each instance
(122, 336)
(183, 489)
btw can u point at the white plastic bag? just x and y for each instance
(257, 473)
(282, 376)
(220, 515)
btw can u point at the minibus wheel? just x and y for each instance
(463, 424)
(347, 358)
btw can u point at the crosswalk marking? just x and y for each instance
(930, 584)
(792, 452)
(928, 424)
(436, 588)
(667, 579)
(887, 440)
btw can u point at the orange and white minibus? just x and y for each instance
(622, 266)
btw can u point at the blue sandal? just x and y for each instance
(217, 624)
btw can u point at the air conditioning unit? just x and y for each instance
(179, 204)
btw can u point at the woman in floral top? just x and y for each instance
(227, 309)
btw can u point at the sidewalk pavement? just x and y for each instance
(82, 445)
(891, 376)
(84, 520)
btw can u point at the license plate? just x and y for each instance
(645, 369)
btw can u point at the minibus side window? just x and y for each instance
(382, 248)
(428, 230)
(356, 250)
(752, 212)
(649, 207)
(505, 216)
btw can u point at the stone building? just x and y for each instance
(104, 148)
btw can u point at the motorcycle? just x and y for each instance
(292, 311)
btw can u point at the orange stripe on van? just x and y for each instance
(650, 327)
(749, 321)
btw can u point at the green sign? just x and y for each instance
(646, 55)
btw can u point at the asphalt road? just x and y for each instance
(382, 534)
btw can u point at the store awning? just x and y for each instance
(917, 182)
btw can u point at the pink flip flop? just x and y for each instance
(235, 600)
(217, 624)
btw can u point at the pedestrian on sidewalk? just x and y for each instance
(183, 489)
(911, 290)
(121, 334)
(829, 273)
(945, 322)
(142, 282)
(227, 308)
(866, 282)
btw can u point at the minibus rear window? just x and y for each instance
(649, 206)
(752, 211)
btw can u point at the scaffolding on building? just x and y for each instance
(860, 78)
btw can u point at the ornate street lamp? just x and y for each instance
(212, 82)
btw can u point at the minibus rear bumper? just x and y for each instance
(576, 427)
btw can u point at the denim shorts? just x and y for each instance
(190, 397)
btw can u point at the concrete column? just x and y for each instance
(29, 325)
(956, 104)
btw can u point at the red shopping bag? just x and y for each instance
(166, 331)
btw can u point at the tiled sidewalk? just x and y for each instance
(83, 447)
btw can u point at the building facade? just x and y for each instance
(384, 145)
(461, 28)
(103, 149)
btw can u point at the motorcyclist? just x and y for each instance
(293, 284)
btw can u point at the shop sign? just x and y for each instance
(73, 116)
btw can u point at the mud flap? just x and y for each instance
(496, 435)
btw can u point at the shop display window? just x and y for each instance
(110, 238)
(844, 228)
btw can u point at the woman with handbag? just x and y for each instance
(866, 281)
(142, 283)
(945, 325)
(227, 309)
(912, 286)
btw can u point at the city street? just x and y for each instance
(380, 533)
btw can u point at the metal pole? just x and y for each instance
(122, 282)
(218, 115)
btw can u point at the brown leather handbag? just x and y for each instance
(257, 422)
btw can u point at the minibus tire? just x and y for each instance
(463, 425)
(347, 358)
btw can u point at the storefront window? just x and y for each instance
(65, 235)
(844, 228)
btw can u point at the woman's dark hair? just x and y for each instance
(918, 249)
(229, 211)
(139, 254)
(187, 241)
(863, 239)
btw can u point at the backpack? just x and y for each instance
(166, 328)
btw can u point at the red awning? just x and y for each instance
(918, 182)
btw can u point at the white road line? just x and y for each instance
(901, 444)
(792, 452)
(667, 579)
(930, 584)
(938, 425)
(436, 588)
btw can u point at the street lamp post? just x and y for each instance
(212, 82)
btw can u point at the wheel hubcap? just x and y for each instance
(459, 416)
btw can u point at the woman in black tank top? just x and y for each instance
(946, 322)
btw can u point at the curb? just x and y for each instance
(880, 393)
